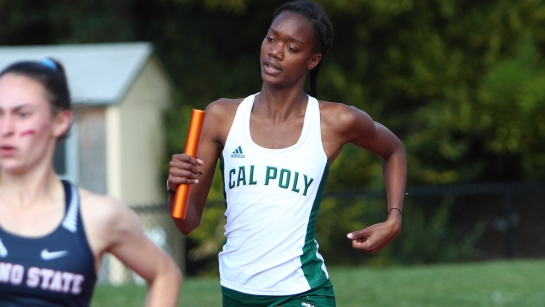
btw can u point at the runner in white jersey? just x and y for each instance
(273, 196)
(275, 149)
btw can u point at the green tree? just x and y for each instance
(462, 83)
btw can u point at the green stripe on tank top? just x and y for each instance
(222, 170)
(310, 263)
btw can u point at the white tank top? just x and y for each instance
(273, 197)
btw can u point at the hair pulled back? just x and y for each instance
(323, 32)
(48, 72)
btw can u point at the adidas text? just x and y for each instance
(237, 153)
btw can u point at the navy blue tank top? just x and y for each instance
(57, 269)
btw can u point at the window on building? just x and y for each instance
(65, 160)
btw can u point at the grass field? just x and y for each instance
(505, 284)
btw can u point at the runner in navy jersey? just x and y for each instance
(52, 234)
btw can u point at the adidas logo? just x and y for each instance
(237, 153)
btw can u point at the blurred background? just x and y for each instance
(462, 83)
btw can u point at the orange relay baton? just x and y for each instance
(179, 208)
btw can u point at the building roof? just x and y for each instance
(97, 73)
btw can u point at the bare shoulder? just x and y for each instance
(103, 214)
(341, 118)
(223, 107)
(105, 220)
(343, 124)
(220, 115)
(99, 205)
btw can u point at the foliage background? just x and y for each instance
(462, 83)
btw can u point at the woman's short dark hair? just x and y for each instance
(323, 32)
(48, 72)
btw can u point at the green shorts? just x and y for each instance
(321, 296)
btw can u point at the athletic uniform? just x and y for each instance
(273, 197)
(57, 269)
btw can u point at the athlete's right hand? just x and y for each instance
(183, 169)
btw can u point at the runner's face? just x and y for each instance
(28, 128)
(287, 52)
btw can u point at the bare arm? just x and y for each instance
(144, 257)
(356, 127)
(113, 227)
(185, 169)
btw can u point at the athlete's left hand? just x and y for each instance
(373, 238)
